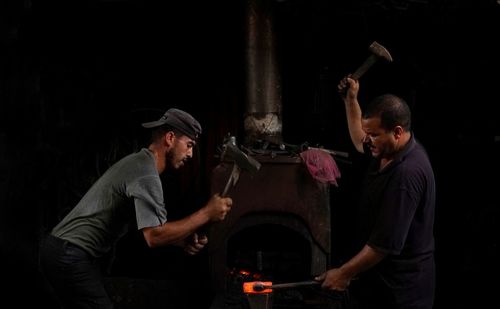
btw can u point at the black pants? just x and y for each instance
(407, 286)
(74, 275)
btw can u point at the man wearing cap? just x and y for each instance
(131, 187)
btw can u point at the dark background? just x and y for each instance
(78, 78)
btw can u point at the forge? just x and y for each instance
(279, 228)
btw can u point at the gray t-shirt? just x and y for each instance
(103, 214)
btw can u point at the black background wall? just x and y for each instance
(78, 78)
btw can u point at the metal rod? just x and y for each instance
(260, 287)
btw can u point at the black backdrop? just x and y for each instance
(77, 79)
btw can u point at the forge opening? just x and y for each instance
(274, 251)
(278, 253)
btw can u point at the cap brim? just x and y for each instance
(152, 124)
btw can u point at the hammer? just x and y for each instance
(377, 52)
(240, 161)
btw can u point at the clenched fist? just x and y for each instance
(195, 243)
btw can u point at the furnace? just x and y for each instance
(278, 229)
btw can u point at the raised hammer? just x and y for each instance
(377, 52)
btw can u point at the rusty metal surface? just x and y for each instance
(263, 84)
(282, 193)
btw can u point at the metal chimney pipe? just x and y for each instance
(262, 117)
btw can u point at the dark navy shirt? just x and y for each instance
(397, 207)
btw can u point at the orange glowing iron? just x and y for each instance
(257, 287)
(262, 287)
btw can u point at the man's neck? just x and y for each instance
(405, 139)
(159, 155)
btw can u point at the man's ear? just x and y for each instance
(398, 131)
(169, 138)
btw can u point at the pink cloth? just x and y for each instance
(321, 166)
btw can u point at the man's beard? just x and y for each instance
(169, 159)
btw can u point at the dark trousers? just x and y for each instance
(74, 275)
(410, 287)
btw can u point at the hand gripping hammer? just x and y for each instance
(231, 152)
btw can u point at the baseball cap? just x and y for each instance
(179, 120)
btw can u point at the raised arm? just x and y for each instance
(349, 88)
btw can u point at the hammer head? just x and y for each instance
(233, 153)
(377, 52)
(240, 161)
(380, 51)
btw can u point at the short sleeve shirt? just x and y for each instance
(397, 212)
(131, 186)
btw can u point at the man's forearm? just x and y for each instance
(364, 260)
(174, 232)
